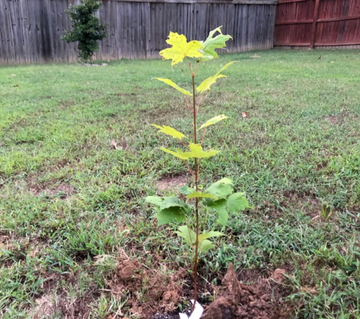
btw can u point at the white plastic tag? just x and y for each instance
(196, 314)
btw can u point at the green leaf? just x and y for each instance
(200, 195)
(156, 200)
(170, 215)
(211, 43)
(221, 188)
(206, 84)
(173, 201)
(220, 207)
(177, 153)
(225, 180)
(210, 234)
(174, 85)
(237, 202)
(213, 121)
(196, 151)
(169, 131)
(206, 245)
(188, 234)
(186, 190)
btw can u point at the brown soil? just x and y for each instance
(149, 291)
(332, 120)
(44, 307)
(239, 301)
(306, 202)
(63, 190)
(170, 183)
(156, 294)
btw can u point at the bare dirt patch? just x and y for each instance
(169, 183)
(45, 307)
(149, 291)
(240, 301)
(306, 202)
(332, 120)
(62, 190)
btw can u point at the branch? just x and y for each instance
(190, 170)
(202, 140)
(189, 104)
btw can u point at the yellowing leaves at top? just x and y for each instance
(181, 48)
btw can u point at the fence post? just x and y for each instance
(314, 24)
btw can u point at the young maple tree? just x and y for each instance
(219, 197)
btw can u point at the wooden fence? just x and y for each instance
(31, 30)
(310, 23)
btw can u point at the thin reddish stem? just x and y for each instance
(200, 102)
(186, 146)
(189, 104)
(196, 255)
(190, 170)
(202, 140)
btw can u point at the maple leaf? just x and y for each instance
(169, 131)
(213, 121)
(181, 48)
(174, 85)
(205, 85)
(211, 43)
(196, 151)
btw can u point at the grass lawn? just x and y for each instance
(72, 207)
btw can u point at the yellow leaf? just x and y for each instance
(226, 66)
(169, 131)
(181, 48)
(200, 195)
(213, 121)
(205, 85)
(196, 151)
(177, 153)
(174, 85)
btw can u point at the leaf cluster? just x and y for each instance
(219, 196)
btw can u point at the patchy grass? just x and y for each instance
(72, 205)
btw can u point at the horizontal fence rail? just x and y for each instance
(311, 23)
(31, 30)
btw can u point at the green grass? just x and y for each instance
(69, 199)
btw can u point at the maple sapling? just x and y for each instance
(219, 197)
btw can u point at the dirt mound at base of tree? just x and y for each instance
(148, 291)
(238, 301)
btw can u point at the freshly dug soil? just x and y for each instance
(238, 301)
